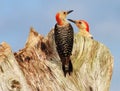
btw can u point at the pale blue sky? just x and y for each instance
(17, 16)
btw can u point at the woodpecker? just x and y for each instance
(83, 27)
(64, 36)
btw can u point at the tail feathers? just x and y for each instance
(67, 68)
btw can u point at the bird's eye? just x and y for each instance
(64, 13)
(80, 22)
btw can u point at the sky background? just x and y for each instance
(103, 16)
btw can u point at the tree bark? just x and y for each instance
(37, 66)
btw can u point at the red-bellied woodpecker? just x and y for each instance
(64, 36)
(83, 27)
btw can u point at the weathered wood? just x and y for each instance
(11, 77)
(38, 67)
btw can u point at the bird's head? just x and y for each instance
(81, 24)
(61, 17)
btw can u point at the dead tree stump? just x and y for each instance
(37, 66)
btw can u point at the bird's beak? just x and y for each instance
(68, 12)
(72, 20)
